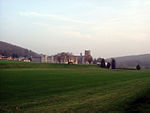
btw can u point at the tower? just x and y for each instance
(87, 53)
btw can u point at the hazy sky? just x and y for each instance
(107, 27)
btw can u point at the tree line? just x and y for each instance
(103, 64)
(108, 65)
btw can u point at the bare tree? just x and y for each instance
(63, 57)
(89, 59)
(58, 57)
(69, 56)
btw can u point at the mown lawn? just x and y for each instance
(53, 88)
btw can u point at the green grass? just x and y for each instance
(55, 88)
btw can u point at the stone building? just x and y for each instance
(36, 59)
(64, 58)
(50, 59)
(44, 58)
(81, 59)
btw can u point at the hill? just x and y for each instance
(8, 49)
(133, 60)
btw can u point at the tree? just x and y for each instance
(89, 59)
(108, 65)
(113, 63)
(102, 63)
(5, 53)
(69, 57)
(30, 59)
(99, 60)
(17, 56)
(63, 57)
(138, 67)
(94, 61)
(26, 52)
(14, 55)
(58, 58)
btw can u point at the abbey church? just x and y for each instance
(64, 58)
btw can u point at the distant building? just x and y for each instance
(36, 59)
(26, 60)
(44, 58)
(74, 59)
(4, 57)
(50, 59)
(1, 56)
(64, 58)
(21, 58)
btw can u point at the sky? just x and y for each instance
(109, 28)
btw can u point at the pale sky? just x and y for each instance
(108, 28)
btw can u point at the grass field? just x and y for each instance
(57, 88)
